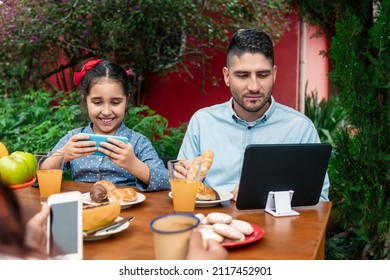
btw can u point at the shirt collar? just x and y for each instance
(262, 119)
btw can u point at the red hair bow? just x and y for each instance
(87, 66)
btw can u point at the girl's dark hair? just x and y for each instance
(112, 71)
(252, 41)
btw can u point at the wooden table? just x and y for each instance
(297, 237)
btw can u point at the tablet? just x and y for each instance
(98, 138)
(283, 167)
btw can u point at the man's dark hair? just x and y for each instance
(252, 41)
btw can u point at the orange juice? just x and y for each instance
(184, 194)
(49, 181)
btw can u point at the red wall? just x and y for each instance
(177, 96)
(317, 66)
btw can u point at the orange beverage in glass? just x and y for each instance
(49, 182)
(184, 194)
(49, 173)
(184, 184)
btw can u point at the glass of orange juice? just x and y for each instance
(49, 173)
(183, 186)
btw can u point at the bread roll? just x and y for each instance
(207, 160)
(228, 231)
(123, 195)
(100, 190)
(245, 227)
(208, 233)
(217, 217)
(206, 193)
(105, 190)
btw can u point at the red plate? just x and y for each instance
(24, 185)
(257, 234)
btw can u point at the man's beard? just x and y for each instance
(252, 108)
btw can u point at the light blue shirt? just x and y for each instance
(218, 128)
(94, 168)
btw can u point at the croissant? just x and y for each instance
(206, 193)
(105, 190)
(207, 160)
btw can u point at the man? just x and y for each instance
(251, 116)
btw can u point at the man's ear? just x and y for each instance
(275, 71)
(225, 72)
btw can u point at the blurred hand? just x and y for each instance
(235, 192)
(36, 230)
(181, 168)
(200, 250)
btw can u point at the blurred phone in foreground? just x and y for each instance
(64, 227)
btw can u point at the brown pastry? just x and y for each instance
(105, 190)
(207, 160)
(123, 195)
(100, 190)
(206, 193)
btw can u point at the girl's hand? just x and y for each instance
(76, 148)
(123, 155)
(120, 153)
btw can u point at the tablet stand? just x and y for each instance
(279, 204)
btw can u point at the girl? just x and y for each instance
(106, 88)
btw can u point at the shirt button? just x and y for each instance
(98, 175)
(100, 159)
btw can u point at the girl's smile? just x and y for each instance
(106, 104)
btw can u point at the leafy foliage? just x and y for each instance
(166, 140)
(39, 39)
(327, 115)
(359, 167)
(361, 164)
(36, 121)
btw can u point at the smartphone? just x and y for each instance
(65, 226)
(103, 138)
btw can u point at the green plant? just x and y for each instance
(35, 121)
(166, 140)
(327, 115)
(359, 167)
(362, 158)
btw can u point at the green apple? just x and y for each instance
(13, 171)
(29, 159)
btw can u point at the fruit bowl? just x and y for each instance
(24, 185)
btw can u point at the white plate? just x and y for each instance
(105, 234)
(224, 196)
(86, 199)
